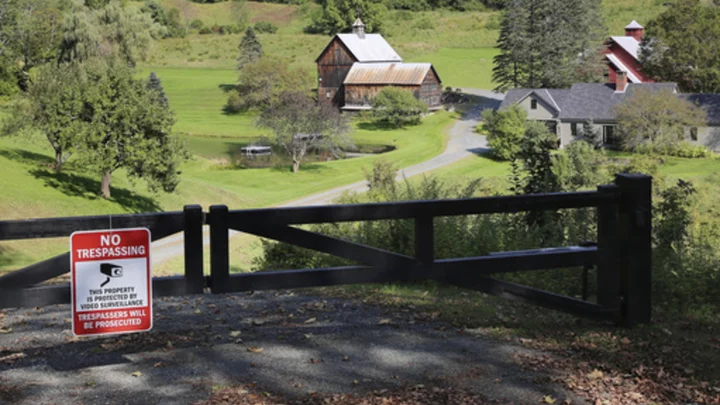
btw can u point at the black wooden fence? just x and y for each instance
(621, 254)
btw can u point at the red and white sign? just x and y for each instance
(111, 281)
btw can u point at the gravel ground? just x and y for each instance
(286, 343)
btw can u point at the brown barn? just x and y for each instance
(354, 67)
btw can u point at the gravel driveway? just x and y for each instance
(286, 343)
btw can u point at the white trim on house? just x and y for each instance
(616, 61)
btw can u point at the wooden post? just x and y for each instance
(608, 271)
(635, 229)
(219, 249)
(193, 239)
(425, 243)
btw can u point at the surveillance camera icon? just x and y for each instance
(111, 271)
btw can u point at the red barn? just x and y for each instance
(353, 68)
(622, 55)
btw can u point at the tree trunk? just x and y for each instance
(296, 166)
(58, 160)
(105, 187)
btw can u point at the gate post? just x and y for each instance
(425, 249)
(636, 239)
(219, 249)
(193, 239)
(608, 272)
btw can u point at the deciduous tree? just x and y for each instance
(339, 15)
(128, 128)
(681, 45)
(398, 107)
(300, 124)
(657, 117)
(260, 84)
(505, 130)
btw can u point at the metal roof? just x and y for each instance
(388, 73)
(630, 44)
(634, 25)
(369, 48)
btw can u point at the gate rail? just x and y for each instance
(622, 252)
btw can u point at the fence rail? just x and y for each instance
(621, 253)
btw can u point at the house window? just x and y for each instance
(533, 104)
(694, 134)
(574, 129)
(609, 137)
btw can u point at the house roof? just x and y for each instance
(370, 48)
(621, 66)
(629, 44)
(388, 73)
(634, 25)
(586, 101)
(708, 102)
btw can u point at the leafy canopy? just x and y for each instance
(681, 45)
(505, 130)
(657, 117)
(398, 107)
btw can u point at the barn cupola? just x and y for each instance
(359, 28)
(635, 30)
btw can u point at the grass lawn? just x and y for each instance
(462, 67)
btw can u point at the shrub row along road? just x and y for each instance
(462, 142)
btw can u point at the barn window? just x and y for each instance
(694, 134)
(533, 104)
(328, 94)
(337, 54)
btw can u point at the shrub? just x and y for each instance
(505, 130)
(265, 27)
(682, 149)
(397, 107)
(205, 31)
(197, 24)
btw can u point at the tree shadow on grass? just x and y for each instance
(27, 157)
(80, 186)
(379, 126)
(305, 167)
(227, 87)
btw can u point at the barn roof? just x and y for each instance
(388, 73)
(630, 44)
(369, 48)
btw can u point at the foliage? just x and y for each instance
(591, 134)
(300, 124)
(111, 31)
(454, 96)
(265, 27)
(680, 149)
(540, 41)
(505, 130)
(260, 84)
(169, 19)
(154, 85)
(339, 15)
(580, 167)
(128, 127)
(398, 107)
(686, 56)
(30, 31)
(657, 117)
(197, 24)
(250, 49)
(54, 105)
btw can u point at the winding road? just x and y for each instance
(462, 142)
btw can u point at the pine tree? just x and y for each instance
(510, 69)
(591, 135)
(549, 43)
(155, 86)
(250, 49)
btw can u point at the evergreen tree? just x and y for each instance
(549, 43)
(157, 92)
(536, 155)
(510, 69)
(250, 49)
(591, 135)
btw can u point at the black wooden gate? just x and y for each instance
(621, 253)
